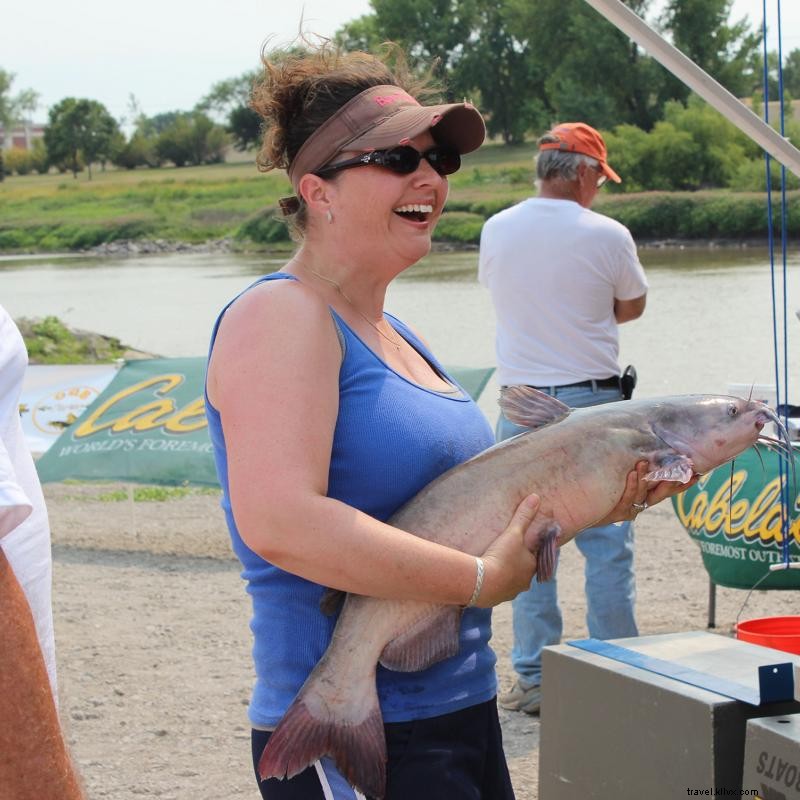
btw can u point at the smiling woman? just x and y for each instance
(326, 416)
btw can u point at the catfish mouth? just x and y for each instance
(414, 212)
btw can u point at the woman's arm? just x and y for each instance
(274, 377)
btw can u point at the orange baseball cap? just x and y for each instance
(578, 137)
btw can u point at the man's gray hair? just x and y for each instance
(563, 164)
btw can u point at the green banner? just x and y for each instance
(735, 518)
(149, 426)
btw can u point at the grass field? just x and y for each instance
(54, 212)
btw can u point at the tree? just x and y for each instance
(13, 109)
(432, 32)
(791, 72)
(361, 33)
(80, 127)
(700, 29)
(595, 73)
(231, 100)
(498, 65)
(191, 138)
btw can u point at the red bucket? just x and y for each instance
(780, 633)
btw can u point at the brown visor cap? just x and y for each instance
(386, 116)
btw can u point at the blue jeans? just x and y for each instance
(609, 580)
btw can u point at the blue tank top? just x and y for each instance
(392, 437)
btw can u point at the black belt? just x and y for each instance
(600, 383)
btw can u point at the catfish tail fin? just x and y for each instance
(310, 729)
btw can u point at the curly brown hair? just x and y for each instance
(301, 88)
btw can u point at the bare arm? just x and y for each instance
(274, 379)
(627, 310)
(34, 763)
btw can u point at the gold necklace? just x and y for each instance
(394, 343)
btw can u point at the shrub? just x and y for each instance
(265, 227)
(138, 151)
(18, 160)
(460, 226)
(39, 158)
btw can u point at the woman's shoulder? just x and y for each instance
(276, 299)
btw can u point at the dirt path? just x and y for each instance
(154, 645)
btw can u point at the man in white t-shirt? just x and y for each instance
(562, 278)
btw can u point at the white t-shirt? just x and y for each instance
(554, 269)
(24, 527)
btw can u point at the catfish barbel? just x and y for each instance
(577, 461)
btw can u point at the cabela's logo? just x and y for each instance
(162, 412)
(755, 518)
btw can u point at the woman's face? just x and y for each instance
(385, 214)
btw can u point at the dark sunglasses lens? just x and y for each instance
(444, 160)
(402, 160)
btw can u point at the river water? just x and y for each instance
(708, 321)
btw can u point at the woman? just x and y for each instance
(327, 415)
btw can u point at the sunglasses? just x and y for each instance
(602, 177)
(402, 160)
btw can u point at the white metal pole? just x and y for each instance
(699, 81)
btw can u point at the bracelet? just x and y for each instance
(478, 583)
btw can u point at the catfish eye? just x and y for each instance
(733, 410)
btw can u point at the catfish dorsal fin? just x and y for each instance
(524, 405)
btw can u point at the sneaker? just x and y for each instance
(520, 699)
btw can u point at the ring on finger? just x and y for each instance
(639, 506)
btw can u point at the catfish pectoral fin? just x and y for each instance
(544, 542)
(300, 739)
(674, 468)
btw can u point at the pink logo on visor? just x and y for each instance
(388, 99)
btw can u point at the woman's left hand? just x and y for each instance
(640, 494)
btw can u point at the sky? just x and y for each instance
(168, 53)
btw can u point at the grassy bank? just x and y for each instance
(57, 213)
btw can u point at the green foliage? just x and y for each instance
(245, 127)
(699, 215)
(264, 227)
(701, 29)
(18, 161)
(191, 138)
(791, 73)
(40, 161)
(79, 128)
(138, 151)
(149, 494)
(593, 71)
(750, 176)
(432, 32)
(50, 341)
(509, 83)
(14, 108)
(360, 34)
(694, 147)
(460, 226)
(231, 99)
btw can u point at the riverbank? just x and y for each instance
(233, 206)
(154, 647)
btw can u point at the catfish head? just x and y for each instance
(713, 429)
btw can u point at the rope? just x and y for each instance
(783, 474)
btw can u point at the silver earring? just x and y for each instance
(329, 215)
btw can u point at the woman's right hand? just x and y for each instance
(508, 564)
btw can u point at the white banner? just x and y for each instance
(55, 396)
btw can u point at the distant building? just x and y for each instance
(21, 135)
